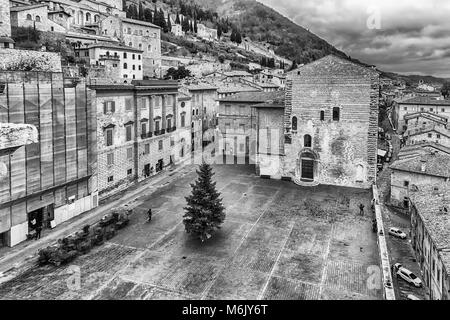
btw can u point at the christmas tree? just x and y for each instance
(205, 211)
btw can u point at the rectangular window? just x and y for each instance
(336, 114)
(405, 108)
(242, 127)
(438, 136)
(241, 147)
(172, 142)
(422, 109)
(134, 67)
(322, 115)
(156, 125)
(110, 178)
(431, 109)
(143, 128)
(227, 109)
(129, 132)
(129, 172)
(157, 101)
(124, 55)
(128, 104)
(442, 110)
(109, 106)
(147, 148)
(183, 120)
(169, 123)
(129, 153)
(430, 135)
(160, 145)
(133, 56)
(406, 183)
(110, 159)
(109, 137)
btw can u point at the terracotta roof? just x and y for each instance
(143, 23)
(425, 114)
(435, 165)
(421, 148)
(25, 8)
(429, 205)
(421, 130)
(113, 46)
(426, 101)
(255, 96)
(200, 86)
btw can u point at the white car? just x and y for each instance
(396, 232)
(407, 275)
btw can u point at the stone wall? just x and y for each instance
(28, 60)
(5, 19)
(345, 150)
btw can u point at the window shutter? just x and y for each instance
(104, 107)
(113, 106)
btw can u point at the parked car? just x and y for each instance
(407, 275)
(396, 232)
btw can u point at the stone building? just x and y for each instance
(237, 124)
(123, 63)
(424, 119)
(419, 104)
(85, 12)
(417, 173)
(54, 179)
(330, 125)
(34, 16)
(430, 238)
(141, 130)
(437, 134)
(140, 35)
(5, 25)
(204, 111)
(206, 33)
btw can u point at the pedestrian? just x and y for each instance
(149, 213)
(38, 232)
(361, 209)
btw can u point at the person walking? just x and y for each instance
(38, 232)
(361, 209)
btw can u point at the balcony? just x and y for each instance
(157, 132)
(146, 135)
(171, 129)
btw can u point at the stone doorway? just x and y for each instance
(307, 170)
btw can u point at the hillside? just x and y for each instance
(261, 23)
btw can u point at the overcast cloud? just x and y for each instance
(414, 37)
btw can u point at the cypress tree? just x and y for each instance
(169, 24)
(177, 19)
(195, 25)
(204, 211)
(141, 11)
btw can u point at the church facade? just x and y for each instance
(330, 125)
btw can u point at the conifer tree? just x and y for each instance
(219, 31)
(148, 15)
(141, 11)
(177, 19)
(204, 211)
(169, 24)
(195, 25)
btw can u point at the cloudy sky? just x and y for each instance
(405, 36)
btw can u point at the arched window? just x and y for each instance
(336, 113)
(38, 19)
(130, 44)
(140, 46)
(125, 66)
(307, 141)
(149, 48)
(294, 123)
(29, 17)
(96, 18)
(88, 17)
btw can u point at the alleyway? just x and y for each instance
(400, 251)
